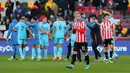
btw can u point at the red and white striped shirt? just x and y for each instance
(80, 31)
(106, 29)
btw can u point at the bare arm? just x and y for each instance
(101, 32)
(53, 30)
(14, 29)
(31, 32)
(43, 31)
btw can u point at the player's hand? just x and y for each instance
(40, 32)
(33, 36)
(50, 37)
(47, 32)
(96, 21)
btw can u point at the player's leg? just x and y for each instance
(46, 44)
(60, 49)
(111, 46)
(55, 49)
(96, 52)
(13, 55)
(105, 47)
(45, 52)
(35, 42)
(39, 49)
(68, 52)
(86, 56)
(24, 50)
(15, 50)
(24, 47)
(115, 55)
(20, 49)
(39, 52)
(33, 52)
(79, 55)
(76, 47)
(21, 52)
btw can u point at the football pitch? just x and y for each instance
(122, 65)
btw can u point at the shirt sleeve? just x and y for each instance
(16, 26)
(48, 27)
(54, 24)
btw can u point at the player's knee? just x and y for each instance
(111, 46)
(60, 45)
(55, 45)
(45, 47)
(105, 47)
(75, 52)
(86, 53)
(37, 46)
(33, 46)
(20, 46)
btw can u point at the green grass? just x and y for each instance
(122, 65)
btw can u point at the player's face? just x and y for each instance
(84, 15)
(106, 18)
(32, 20)
(91, 20)
(77, 16)
(44, 20)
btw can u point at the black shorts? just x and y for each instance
(107, 42)
(81, 46)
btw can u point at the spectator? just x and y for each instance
(111, 5)
(9, 9)
(17, 3)
(0, 14)
(11, 17)
(111, 19)
(61, 12)
(2, 21)
(55, 8)
(19, 10)
(96, 3)
(52, 18)
(71, 5)
(100, 15)
(34, 10)
(124, 6)
(86, 2)
(42, 1)
(92, 14)
(118, 29)
(18, 16)
(103, 3)
(49, 12)
(7, 23)
(126, 32)
(80, 3)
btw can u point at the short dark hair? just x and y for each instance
(35, 18)
(105, 15)
(70, 19)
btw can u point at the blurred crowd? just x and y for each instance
(64, 8)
